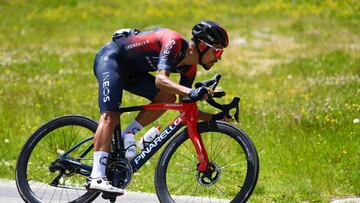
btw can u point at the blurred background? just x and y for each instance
(295, 65)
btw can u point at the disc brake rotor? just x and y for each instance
(210, 176)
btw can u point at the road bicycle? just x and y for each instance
(211, 160)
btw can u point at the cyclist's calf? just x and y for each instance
(110, 119)
(105, 130)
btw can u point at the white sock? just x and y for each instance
(134, 127)
(99, 164)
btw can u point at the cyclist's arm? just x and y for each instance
(187, 79)
(172, 51)
(163, 82)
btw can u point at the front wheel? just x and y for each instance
(231, 176)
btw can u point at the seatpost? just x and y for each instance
(118, 144)
(118, 152)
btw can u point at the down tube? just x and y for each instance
(153, 147)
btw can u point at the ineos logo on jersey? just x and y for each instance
(168, 46)
(106, 85)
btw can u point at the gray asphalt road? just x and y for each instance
(9, 194)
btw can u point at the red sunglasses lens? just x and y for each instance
(218, 52)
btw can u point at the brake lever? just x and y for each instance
(212, 83)
(219, 94)
(227, 107)
(236, 103)
(217, 77)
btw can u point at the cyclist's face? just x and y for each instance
(212, 55)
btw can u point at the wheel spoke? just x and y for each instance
(231, 178)
(182, 183)
(221, 151)
(186, 157)
(222, 191)
(230, 165)
(229, 155)
(192, 194)
(217, 144)
(54, 138)
(67, 195)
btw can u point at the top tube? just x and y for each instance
(159, 106)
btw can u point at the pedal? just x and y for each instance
(110, 196)
(87, 185)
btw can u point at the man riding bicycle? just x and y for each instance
(124, 64)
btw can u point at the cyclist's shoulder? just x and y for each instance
(162, 34)
(168, 34)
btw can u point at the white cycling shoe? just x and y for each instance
(103, 185)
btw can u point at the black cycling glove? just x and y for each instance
(198, 93)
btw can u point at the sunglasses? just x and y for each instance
(217, 51)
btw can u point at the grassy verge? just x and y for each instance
(294, 64)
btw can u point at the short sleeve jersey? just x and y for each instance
(159, 49)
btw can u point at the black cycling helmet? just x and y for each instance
(211, 33)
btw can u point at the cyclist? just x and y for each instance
(124, 64)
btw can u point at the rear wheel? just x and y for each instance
(232, 172)
(41, 176)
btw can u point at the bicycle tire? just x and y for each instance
(44, 135)
(195, 190)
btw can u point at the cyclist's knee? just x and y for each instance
(110, 119)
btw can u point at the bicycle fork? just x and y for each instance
(196, 139)
(200, 148)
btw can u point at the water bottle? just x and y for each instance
(129, 146)
(148, 137)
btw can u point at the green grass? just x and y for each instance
(295, 64)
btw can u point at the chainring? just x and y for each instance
(120, 171)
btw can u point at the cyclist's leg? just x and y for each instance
(108, 73)
(145, 87)
(147, 117)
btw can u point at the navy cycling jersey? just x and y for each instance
(125, 63)
(160, 49)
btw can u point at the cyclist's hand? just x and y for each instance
(198, 94)
(221, 116)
